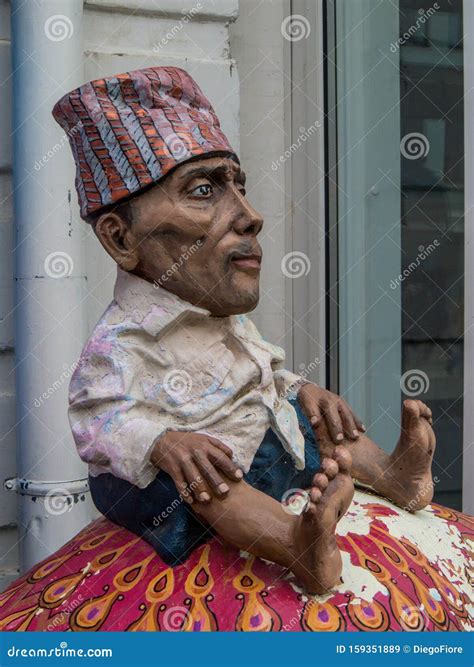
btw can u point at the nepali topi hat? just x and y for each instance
(129, 130)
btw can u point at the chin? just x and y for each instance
(241, 303)
(244, 303)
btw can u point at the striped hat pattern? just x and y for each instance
(129, 130)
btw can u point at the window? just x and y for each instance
(395, 219)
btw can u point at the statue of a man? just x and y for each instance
(187, 418)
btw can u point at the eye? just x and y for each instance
(204, 190)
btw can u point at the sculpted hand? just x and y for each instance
(195, 462)
(323, 408)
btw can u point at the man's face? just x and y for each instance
(195, 235)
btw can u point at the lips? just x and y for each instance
(246, 262)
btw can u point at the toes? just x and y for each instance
(410, 411)
(330, 468)
(424, 410)
(315, 495)
(320, 481)
(411, 407)
(343, 459)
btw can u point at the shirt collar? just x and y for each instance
(148, 304)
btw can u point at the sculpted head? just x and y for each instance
(161, 185)
(193, 233)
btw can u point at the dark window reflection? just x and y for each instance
(431, 90)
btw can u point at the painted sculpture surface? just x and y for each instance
(177, 399)
(178, 402)
(401, 572)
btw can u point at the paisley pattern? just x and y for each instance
(401, 572)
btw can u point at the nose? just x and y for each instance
(247, 220)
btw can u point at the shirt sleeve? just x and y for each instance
(114, 428)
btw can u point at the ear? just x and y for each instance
(116, 237)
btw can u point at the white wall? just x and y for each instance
(119, 35)
(117, 41)
(242, 62)
(263, 61)
(8, 534)
(281, 84)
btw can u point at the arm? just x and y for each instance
(319, 404)
(113, 427)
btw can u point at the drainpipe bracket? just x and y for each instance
(30, 487)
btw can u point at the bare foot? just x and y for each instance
(407, 480)
(318, 564)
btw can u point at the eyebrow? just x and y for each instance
(220, 170)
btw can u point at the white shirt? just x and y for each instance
(155, 363)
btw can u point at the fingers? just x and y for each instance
(359, 425)
(316, 415)
(210, 474)
(310, 406)
(220, 445)
(348, 422)
(228, 467)
(333, 421)
(195, 481)
(182, 486)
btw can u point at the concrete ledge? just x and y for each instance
(210, 10)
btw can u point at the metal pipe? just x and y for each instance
(50, 317)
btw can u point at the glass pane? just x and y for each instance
(369, 212)
(400, 231)
(432, 177)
